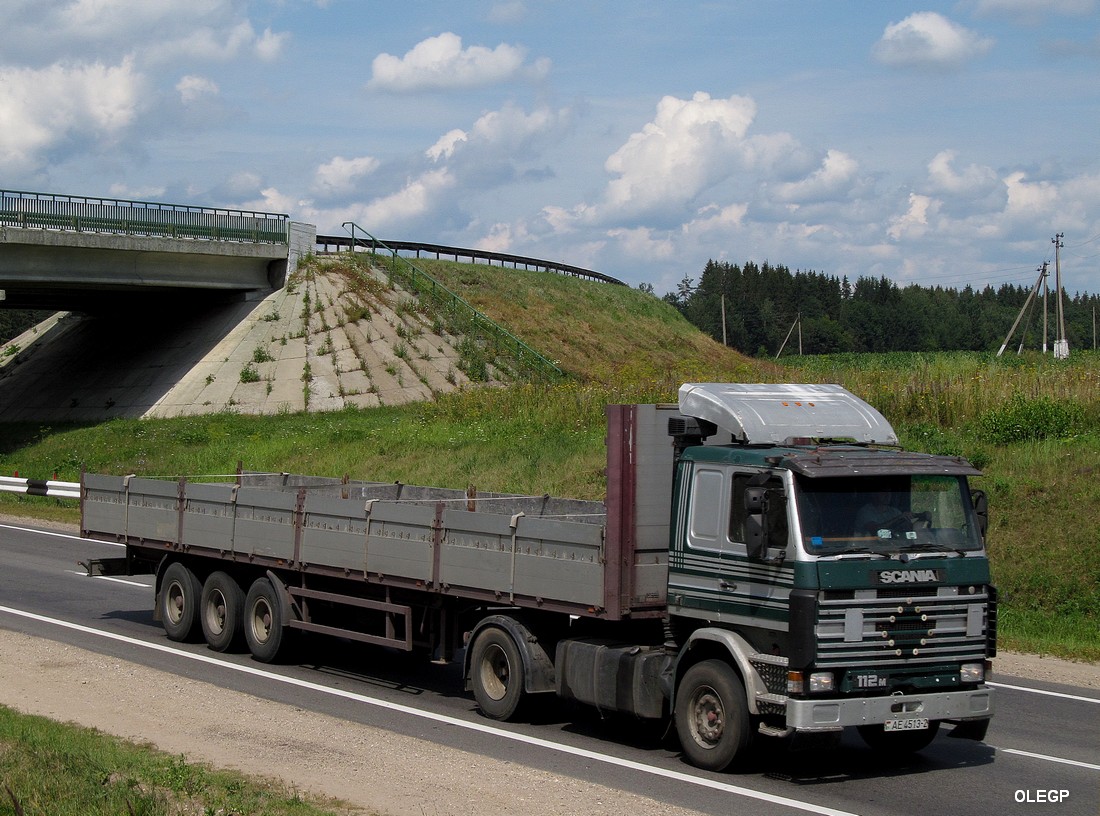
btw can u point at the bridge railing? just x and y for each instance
(121, 217)
(466, 318)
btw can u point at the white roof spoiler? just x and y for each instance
(761, 413)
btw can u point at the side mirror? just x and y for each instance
(981, 510)
(756, 532)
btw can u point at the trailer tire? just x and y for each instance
(712, 715)
(496, 674)
(897, 743)
(221, 611)
(263, 621)
(180, 592)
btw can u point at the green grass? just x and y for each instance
(58, 769)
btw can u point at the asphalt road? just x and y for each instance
(1044, 742)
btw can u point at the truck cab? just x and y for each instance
(831, 578)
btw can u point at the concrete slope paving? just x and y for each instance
(318, 344)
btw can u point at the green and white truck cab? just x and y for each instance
(848, 579)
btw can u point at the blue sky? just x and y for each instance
(937, 143)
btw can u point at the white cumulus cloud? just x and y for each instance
(926, 39)
(43, 109)
(341, 176)
(915, 222)
(690, 145)
(831, 181)
(446, 144)
(440, 63)
(972, 181)
(193, 88)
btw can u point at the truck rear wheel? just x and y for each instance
(712, 716)
(898, 742)
(496, 674)
(221, 610)
(263, 621)
(179, 597)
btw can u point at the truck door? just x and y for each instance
(715, 573)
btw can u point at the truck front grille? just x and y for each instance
(890, 627)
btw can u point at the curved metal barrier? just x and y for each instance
(326, 243)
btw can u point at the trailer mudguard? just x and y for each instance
(538, 668)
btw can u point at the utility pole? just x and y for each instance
(1023, 310)
(1061, 345)
(1046, 289)
(724, 343)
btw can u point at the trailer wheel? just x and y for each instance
(180, 592)
(263, 621)
(221, 611)
(712, 716)
(496, 674)
(898, 742)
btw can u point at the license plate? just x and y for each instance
(909, 724)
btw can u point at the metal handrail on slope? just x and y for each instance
(425, 285)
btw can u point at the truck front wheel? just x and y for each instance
(221, 608)
(180, 591)
(496, 674)
(263, 621)
(712, 716)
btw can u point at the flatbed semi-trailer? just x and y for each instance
(723, 582)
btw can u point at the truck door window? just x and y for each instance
(777, 533)
(707, 494)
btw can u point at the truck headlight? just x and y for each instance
(972, 672)
(821, 682)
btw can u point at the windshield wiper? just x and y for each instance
(933, 548)
(861, 551)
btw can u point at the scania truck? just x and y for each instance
(767, 561)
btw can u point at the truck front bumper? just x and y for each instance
(827, 715)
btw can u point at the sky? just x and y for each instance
(938, 143)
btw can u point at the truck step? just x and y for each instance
(774, 731)
(774, 699)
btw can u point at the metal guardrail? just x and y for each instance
(326, 242)
(148, 218)
(469, 319)
(40, 487)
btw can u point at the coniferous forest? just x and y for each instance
(763, 303)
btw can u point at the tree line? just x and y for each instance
(763, 302)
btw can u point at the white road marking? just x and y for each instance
(537, 742)
(1048, 758)
(110, 578)
(1048, 693)
(55, 534)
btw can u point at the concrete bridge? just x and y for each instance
(94, 254)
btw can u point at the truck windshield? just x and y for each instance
(886, 514)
